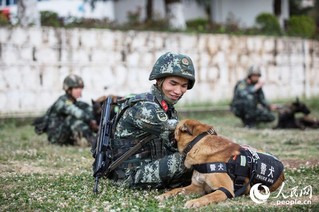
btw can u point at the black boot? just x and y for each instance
(250, 124)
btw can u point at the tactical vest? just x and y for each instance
(152, 150)
(259, 167)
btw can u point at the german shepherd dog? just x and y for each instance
(287, 117)
(222, 168)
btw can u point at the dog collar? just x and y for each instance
(198, 138)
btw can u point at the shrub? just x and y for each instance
(49, 18)
(134, 17)
(199, 24)
(268, 24)
(303, 26)
(4, 20)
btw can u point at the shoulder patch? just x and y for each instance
(161, 115)
(68, 102)
(241, 86)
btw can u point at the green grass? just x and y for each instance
(37, 176)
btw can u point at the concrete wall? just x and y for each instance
(34, 62)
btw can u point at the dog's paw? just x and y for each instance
(195, 203)
(161, 197)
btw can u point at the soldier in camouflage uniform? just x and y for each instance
(157, 164)
(249, 103)
(68, 120)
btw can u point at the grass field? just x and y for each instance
(36, 176)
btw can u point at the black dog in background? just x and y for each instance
(287, 117)
(97, 106)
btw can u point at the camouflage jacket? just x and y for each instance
(149, 113)
(66, 106)
(245, 93)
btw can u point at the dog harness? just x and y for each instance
(259, 167)
(198, 138)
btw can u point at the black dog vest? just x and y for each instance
(259, 167)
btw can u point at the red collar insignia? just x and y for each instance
(164, 105)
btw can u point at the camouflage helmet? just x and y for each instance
(72, 81)
(172, 64)
(253, 70)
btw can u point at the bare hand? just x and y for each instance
(259, 84)
(273, 107)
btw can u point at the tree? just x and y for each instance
(295, 8)
(173, 8)
(206, 4)
(149, 11)
(317, 12)
(28, 13)
(175, 14)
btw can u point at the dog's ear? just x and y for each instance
(185, 128)
(92, 101)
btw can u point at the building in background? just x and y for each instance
(240, 12)
(244, 12)
(65, 8)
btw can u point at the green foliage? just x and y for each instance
(302, 26)
(87, 23)
(197, 25)
(156, 25)
(49, 18)
(3, 20)
(134, 17)
(295, 8)
(268, 24)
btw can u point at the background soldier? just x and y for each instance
(249, 103)
(68, 120)
(158, 163)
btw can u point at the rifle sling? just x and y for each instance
(129, 153)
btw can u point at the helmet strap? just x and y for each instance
(69, 93)
(159, 83)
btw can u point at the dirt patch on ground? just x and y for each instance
(295, 163)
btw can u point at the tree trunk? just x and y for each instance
(28, 13)
(149, 11)
(175, 14)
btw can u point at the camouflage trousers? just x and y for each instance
(252, 114)
(69, 131)
(166, 172)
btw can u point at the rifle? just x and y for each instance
(103, 152)
(103, 163)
